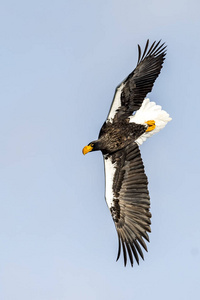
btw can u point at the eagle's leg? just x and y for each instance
(151, 125)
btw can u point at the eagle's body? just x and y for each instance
(115, 136)
(126, 193)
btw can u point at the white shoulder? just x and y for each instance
(109, 175)
(116, 103)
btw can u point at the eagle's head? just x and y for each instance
(93, 146)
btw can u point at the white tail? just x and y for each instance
(150, 111)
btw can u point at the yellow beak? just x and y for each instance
(87, 149)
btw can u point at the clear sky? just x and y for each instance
(60, 62)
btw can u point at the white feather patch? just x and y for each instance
(150, 111)
(116, 103)
(109, 174)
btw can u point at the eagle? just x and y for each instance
(132, 118)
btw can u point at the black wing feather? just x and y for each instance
(139, 82)
(131, 202)
(139, 53)
(145, 49)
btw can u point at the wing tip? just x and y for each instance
(132, 249)
(154, 50)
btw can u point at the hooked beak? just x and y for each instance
(87, 149)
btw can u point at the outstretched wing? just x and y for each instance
(130, 94)
(128, 199)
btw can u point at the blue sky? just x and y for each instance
(60, 63)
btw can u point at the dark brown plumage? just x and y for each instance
(115, 136)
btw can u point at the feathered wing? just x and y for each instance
(128, 199)
(130, 94)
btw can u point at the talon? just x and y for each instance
(151, 125)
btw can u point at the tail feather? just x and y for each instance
(150, 111)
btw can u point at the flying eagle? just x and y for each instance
(131, 120)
